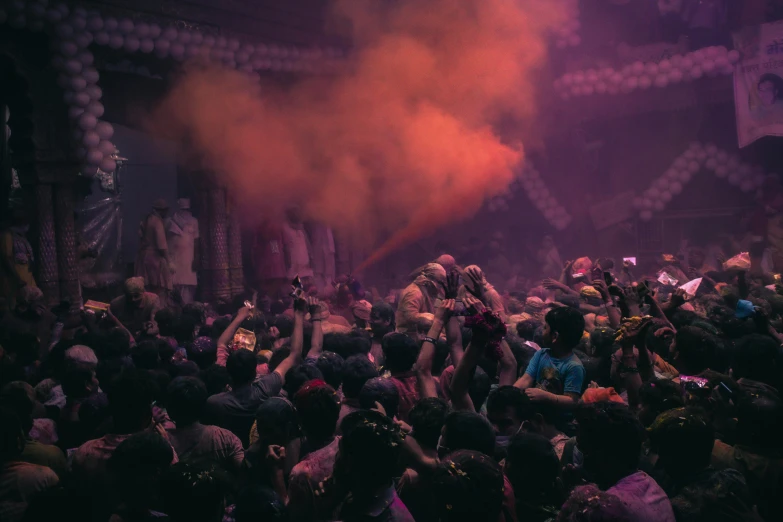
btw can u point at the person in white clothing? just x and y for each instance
(296, 243)
(323, 255)
(182, 231)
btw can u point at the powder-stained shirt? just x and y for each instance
(19, 482)
(645, 499)
(566, 374)
(304, 481)
(198, 442)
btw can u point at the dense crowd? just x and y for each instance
(601, 395)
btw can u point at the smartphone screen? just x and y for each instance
(631, 260)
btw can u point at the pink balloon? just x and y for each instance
(78, 83)
(108, 165)
(87, 121)
(94, 91)
(91, 139)
(91, 75)
(73, 66)
(184, 37)
(132, 44)
(196, 37)
(146, 45)
(733, 56)
(162, 47)
(155, 31)
(721, 171)
(126, 26)
(102, 38)
(110, 24)
(142, 30)
(644, 82)
(169, 33)
(94, 157)
(106, 147)
(675, 188)
(696, 72)
(81, 99)
(116, 41)
(645, 215)
(104, 130)
(178, 50)
(68, 48)
(83, 39)
(662, 80)
(95, 108)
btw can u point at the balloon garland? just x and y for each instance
(74, 30)
(746, 177)
(530, 180)
(567, 35)
(640, 76)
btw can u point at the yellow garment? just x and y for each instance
(413, 303)
(8, 285)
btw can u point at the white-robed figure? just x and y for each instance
(323, 255)
(183, 233)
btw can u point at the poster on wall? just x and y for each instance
(758, 82)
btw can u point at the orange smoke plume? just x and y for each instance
(400, 141)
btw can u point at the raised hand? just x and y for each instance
(474, 304)
(444, 311)
(451, 288)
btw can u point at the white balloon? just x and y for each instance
(108, 165)
(694, 167)
(104, 130)
(721, 171)
(644, 82)
(696, 72)
(87, 121)
(155, 31)
(735, 178)
(637, 68)
(711, 164)
(95, 108)
(666, 196)
(662, 80)
(132, 44)
(659, 205)
(94, 157)
(147, 45)
(675, 187)
(107, 147)
(81, 99)
(116, 40)
(747, 186)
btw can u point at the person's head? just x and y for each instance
(426, 419)
(683, 439)
(255, 503)
(79, 381)
(241, 366)
(507, 407)
(590, 504)
(276, 422)
(696, 257)
(134, 291)
(146, 355)
(184, 329)
(563, 328)
(202, 351)
(695, 350)
(466, 486)
(81, 355)
(136, 466)
(610, 438)
(160, 207)
(657, 396)
(299, 375)
(369, 451)
(130, 401)
(331, 366)
(757, 357)
(382, 319)
(186, 397)
(318, 407)
(759, 416)
(400, 352)
(527, 329)
(192, 493)
(465, 430)
(601, 342)
(19, 397)
(357, 371)
(532, 467)
(770, 88)
(382, 391)
(165, 320)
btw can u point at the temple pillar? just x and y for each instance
(65, 232)
(213, 224)
(236, 274)
(47, 276)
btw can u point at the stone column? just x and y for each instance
(65, 231)
(236, 274)
(217, 235)
(47, 277)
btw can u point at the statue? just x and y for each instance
(182, 230)
(153, 262)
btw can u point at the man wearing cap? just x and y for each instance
(182, 231)
(153, 262)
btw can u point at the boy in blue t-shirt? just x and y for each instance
(555, 374)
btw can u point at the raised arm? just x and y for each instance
(317, 342)
(424, 379)
(612, 312)
(297, 339)
(228, 334)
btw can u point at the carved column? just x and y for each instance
(236, 275)
(65, 230)
(47, 277)
(217, 236)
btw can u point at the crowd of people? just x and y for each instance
(599, 395)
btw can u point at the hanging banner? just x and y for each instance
(758, 82)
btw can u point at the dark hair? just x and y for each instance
(697, 351)
(255, 503)
(590, 504)
(348, 344)
(219, 326)
(510, 397)
(371, 442)
(164, 318)
(400, 352)
(427, 419)
(759, 416)
(136, 462)
(300, 374)
(775, 80)
(146, 355)
(186, 399)
(202, 351)
(612, 435)
(568, 324)
(532, 467)
(602, 341)
(130, 401)
(683, 438)
(469, 431)
(357, 371)
(331, 366)
(757, 357)
(656, 396)
(479, 387)
(284, 325)
(11, 435)
(527, 329)
(75, 381)
(467, 486)
(195, 311)
(385, 312)
(215, 378)
(241, 366)
(319, 408)
(383, 391)
(280, 355)
(192, 494)
(14, 396)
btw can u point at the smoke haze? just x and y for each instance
(396, 144)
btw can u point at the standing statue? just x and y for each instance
(153, 262)
(298, 253)
(182, 233)
(16, 257)
(324, 268)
